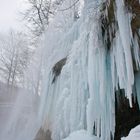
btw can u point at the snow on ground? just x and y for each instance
(134, 134)
(81, 135)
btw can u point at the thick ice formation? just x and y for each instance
(125, 38)
(83, 96)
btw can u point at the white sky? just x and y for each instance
(9, 14)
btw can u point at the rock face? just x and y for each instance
(126, 117)
(134, 7)
(58, 67)
(42, 135)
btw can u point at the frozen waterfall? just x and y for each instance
(82, 76)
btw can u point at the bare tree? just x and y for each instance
(35, 73)
(14, 56)
(40, 12)
(38, 15)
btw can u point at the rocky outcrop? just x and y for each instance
(42, 135)
(58, 67)
(126, 117)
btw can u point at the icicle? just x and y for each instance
(136, 51)
(125, 34)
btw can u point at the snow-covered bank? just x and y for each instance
(134, 134)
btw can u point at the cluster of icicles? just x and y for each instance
(83, 96)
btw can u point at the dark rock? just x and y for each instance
(42, 135)
(58, 67)
(126, 117)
